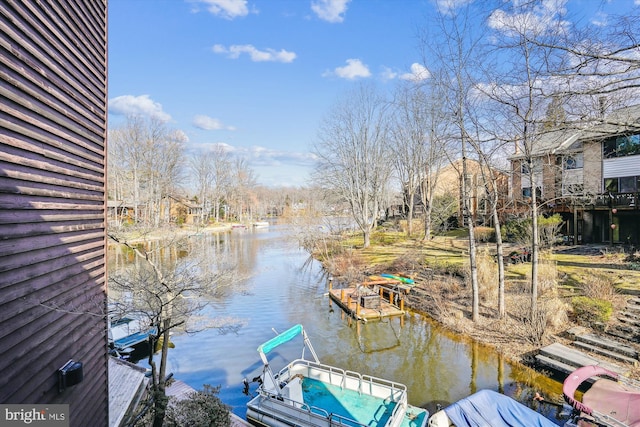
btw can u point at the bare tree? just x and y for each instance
(353, 155)
(457, 61)
(211, 171)
(150, 156)
(243, 182)
(418, 146)
(168, 292)
(519, 89)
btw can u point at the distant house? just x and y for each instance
(121, 212)
(53, 207)
(590, 176)
(179, 210)
(449, 182)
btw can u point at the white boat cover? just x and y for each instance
(488, 408)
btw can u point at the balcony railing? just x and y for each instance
(618, 200)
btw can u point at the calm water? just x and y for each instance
(285, 289)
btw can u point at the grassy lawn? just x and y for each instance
(391, 248)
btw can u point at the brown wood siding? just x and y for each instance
(53, 114)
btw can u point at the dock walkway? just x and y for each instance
(349, 300)
(566, 359)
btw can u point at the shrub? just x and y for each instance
(202, 408)
(485, 234)
(599, 286)
(519, 230)
(591, 310)
(487, 277)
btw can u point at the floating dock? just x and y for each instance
(363, 304)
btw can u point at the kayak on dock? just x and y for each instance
(407, 280)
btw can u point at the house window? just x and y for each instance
(526, 192)
(573, 161)
(628, 184)
(625, 184)
(536, 163)
(621, 146)
(611, 185)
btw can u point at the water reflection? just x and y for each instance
(283, 288)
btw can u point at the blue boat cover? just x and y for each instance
(488, 408)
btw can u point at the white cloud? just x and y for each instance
(541, 19)
(227, 9)
(353, 70)
(330, 10)
(271, 55)
(447, 6)
(418, 73)
(137, 105)
(261, 156)
(209, 123)
(600, 19)
(388, 73)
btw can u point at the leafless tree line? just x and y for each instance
(149, 162)
(496, 86)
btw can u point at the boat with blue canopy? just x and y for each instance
(307, 393)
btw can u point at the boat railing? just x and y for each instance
(311, 415)
(346, 379)
(363, 384)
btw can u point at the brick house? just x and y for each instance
(590, 176)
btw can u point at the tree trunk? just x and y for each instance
(161, 400)
(410, 217)
(500, 259)
(466, 215)
(534, 253)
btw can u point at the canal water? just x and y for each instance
(284, 287)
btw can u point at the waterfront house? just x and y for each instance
(589, 175)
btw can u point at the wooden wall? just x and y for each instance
(53, 94)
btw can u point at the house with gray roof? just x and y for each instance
(590, 175)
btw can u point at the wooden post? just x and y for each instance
(357, 310)
(342, 295)
(402, 304)
(390, 297)
(381, 291)
(330, 283)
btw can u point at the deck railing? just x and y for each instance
(617, 200)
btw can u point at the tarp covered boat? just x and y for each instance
(488, 408)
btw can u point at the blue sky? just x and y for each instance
(258, 76)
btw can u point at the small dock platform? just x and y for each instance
(566, 359)
(363, 304)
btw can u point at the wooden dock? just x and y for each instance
(127, 388)
(363, 304)
(566, 359)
